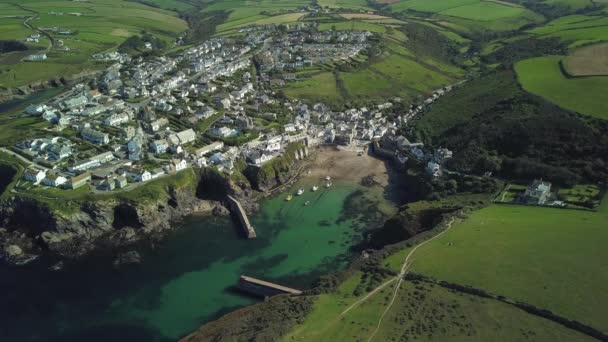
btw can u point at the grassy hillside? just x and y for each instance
(543, 76)
(98, 26)
(546, 257)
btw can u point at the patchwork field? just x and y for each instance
(546, 257)
(543, 76)
(95, 26)
(588, 61)
(473, 14)
(575, 30)
(245, 12)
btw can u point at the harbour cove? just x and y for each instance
(190, 278)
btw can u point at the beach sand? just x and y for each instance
(346, 165)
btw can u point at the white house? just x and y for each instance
(273, 144)
(258, 157)
(116, 119)
(138, 175)
(34, 175)
(178, 164)
(222, 131)
(289, 128)
(200, 161)
(159, 146)
(54, 180)
(95, 137)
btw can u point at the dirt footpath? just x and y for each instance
(346, 166)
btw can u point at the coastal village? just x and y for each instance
(212, 105)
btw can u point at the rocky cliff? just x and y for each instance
(32, 229)
(278, 171)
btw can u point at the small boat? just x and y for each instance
(288, 198)
(329, 184)
(300, 191)
(306, 203)
(315, 188)
(327, 178)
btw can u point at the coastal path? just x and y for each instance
(399, 278)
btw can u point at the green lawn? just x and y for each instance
(550, 258)
(542, 76)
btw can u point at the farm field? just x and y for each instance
(546, 257)
(575, 30)
(350, 4)
(475, 15)
(95, 27)
(588, 61)
(244, 12)
(543, 76)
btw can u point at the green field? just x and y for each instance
(353, 4)
(476, 15)
(395, 75)
(542, 76)
(422, 312)
(101, 26)
(245, 12)
(320, 86)
(575, 30)
(550, 258)
(352, 25)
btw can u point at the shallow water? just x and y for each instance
(189, 279)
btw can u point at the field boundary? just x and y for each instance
(528, 308)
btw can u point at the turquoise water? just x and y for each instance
(188, 280)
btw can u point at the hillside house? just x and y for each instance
(78, 181)
(54, 180)
(159, 146)
(537, 193)
(34, 175)
(94, 136)
(178, 165)
(215, 146)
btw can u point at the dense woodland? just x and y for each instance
(494, 126)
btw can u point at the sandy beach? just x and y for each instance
(346, 165)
